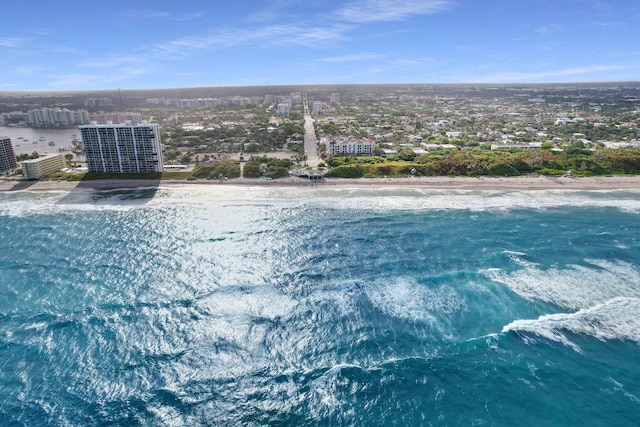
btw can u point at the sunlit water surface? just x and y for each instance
(315, 306)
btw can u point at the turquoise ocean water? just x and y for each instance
(319, 306)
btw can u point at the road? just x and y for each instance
(310, 142)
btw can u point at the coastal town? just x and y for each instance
(328, 131)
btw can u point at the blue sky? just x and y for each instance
(62, 45)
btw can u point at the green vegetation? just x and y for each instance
(493, 163)
(268, 166)
(226, 168)
(346, 171)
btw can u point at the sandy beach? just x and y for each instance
(459, 183)
(456, 183)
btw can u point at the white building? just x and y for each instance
(57, 117)
(7, 155)
(529, 146)
(43, 166)
(283, 109)
(123, 148)
(98, 102)
(342, 145)
(317, 107)
(335, 98)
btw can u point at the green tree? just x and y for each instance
(251, 169)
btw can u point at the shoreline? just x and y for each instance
(620, 182)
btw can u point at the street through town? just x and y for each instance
(310, 142)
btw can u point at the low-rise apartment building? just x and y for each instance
(43, 166)
(343, 145)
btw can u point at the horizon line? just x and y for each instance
(328, 85)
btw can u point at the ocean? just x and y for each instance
(225, 305)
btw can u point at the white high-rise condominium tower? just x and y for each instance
(7, 156)
(123, 148)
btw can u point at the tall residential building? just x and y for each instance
(317, 107)
(7, 156)
(283, 109)
(43, 166)
(335, 98)
(123, 148)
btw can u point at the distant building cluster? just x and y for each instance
(98, 102)
(294, 98)
(204, 102)
(122, 148)
(57, 117)
(115, 117)
(14, 117)
(349, 146)
(46, 117)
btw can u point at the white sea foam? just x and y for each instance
(473, 200)
(375, 199)
(574, 287)
(616, 319)
(400, 298)
(605, 294)
(247, 301)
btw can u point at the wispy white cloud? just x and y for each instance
(552, 28)
(26, 70)
(14, 42)
(94, 80)
(389, 70)
(519, 77)
(602, 6)
(359, 11)
(275, 35)
(351, 58)
(147, 14)
(609, 24)
(179, 17)
(10, 86)
(278, 10)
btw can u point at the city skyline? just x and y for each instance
(53, 46)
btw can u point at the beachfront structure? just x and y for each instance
(7, 155)
(124, 148)
(529, 146)
(43, 166)
(343, 145)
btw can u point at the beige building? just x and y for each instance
(43, 166)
